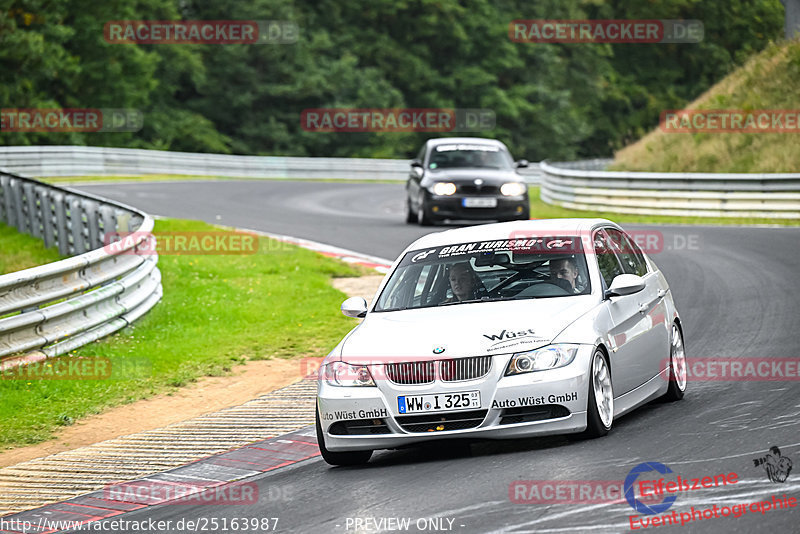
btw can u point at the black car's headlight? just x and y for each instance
(444, 188)
(549, 357)
(346, 375)
(513, 189)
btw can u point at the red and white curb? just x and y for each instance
(381, 265)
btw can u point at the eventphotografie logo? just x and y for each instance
(775, 464)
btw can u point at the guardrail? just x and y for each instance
(54, 308)
(55, 161)
(585, 185)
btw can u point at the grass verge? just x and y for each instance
(541, 210)
(768, 81)
(20, 251)
(217, 311)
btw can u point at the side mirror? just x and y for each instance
(416, 168)
(355, 307)
(522, 163)
(625, 284)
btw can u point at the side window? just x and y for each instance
(629, 254)
(421, 154)
(606, 257)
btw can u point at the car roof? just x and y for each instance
(509, 230)
(473, 140)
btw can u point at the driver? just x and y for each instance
(463, 282)
(565, 269)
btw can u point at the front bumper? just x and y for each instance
(452, 207)
(566, 388)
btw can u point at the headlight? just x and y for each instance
(344, 374)
(513, 189)
(444, 188)
(549, 357)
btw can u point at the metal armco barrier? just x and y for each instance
(584, 185)
(41, 161)
(54, 308)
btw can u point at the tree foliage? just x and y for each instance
(550, 100)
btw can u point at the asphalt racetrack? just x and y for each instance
(736, 289)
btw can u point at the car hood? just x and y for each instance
(489, 176)
(463, 329)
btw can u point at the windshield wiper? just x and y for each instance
(470, 301)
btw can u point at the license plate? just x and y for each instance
(439, 402)
(477, 202)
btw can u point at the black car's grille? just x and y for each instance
(359, 427)
(450, 370)
(527, 414)
(470, 189)
(441, 421)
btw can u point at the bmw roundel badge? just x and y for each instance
(438, 350)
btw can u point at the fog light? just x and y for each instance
(519, 209)
(435, 208)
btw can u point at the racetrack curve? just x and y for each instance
(736, 289)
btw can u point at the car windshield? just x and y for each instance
(473, 156)
(486, 271)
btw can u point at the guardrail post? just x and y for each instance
(19, 209)
(76, 225)
(48, 217)
(108, 223)
(62, 235)
(5, 201)
(34, 217)
(92, 223)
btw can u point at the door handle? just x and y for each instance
(661, 293)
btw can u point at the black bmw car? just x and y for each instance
(465, 178)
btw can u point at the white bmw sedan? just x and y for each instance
(502, 331)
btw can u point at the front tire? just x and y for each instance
(411, 217)
(677, 367)
(422, 215)
(339, 458)
(600, 407)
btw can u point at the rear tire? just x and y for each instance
(599, 415)
(339, 458)
(677, 367)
